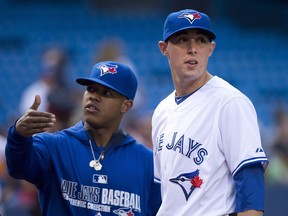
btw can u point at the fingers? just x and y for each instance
(36, 103)
(34, 121)
(30, 123)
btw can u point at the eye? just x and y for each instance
(202, 39)
(179, 39)
(107, 93)
(90, 89)
(101, 91)
(182, 39)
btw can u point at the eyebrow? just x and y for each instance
(198, 32)
(203, 32)
(98, 85)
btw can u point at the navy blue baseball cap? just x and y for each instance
(187, 19)
(114, 75)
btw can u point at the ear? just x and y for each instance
(163, 48)
(212, 47)
(126, 106)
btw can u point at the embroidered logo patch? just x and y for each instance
(107, 68)
(124, 212)
(100, 179)
(259, 150)
(191, 17)
(188, 182)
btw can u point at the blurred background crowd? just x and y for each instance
(46, 44)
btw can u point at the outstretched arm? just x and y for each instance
(23, 160)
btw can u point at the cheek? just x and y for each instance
(175, 51)
(204, 55)
(175, 56)
(206, 58)
(84, 98)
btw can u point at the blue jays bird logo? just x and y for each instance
(107, 68)
(191, 17)
(188, 182)
(124, 212)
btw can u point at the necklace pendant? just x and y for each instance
(97, 166)
(92, 163)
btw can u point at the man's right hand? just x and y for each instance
(34, 121)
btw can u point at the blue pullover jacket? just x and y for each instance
(58, 164)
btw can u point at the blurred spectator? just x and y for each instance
(16, 197)
(2, 145)
(277, 171)
(59, 97)
(2, 168)
(53, 86)
(114, 49)
(52, 73)
(138, 125)
(62, 103)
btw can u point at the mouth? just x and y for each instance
(193, 62)
(92, 108)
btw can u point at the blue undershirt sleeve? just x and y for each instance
(250, 190)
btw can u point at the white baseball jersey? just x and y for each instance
(199, 145)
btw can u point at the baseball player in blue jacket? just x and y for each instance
(92, 168)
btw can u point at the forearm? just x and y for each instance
(21, 158)
(250, 213)
(17, 152)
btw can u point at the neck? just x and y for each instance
(101, 139)
(183, 88)
(102, 135)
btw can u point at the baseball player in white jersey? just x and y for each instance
(207, 149)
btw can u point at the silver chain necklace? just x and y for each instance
(96, 163)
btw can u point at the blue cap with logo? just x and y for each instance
(114, 75)
(187, 19)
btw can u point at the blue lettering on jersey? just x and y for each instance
(179, 145)
(159, 143)
(192, 146)
(200, 156)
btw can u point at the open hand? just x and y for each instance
(34, 121)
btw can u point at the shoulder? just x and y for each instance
(220, 85)
(165, 105)
(223, 91)
(138, 149)
(76, 131)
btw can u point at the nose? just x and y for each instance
(191, 47)
(95, 96)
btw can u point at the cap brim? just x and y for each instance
(210, 34)
(85, 82)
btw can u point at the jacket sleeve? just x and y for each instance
(154, 199)
(23, 160)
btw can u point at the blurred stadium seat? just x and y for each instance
(254, 60)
